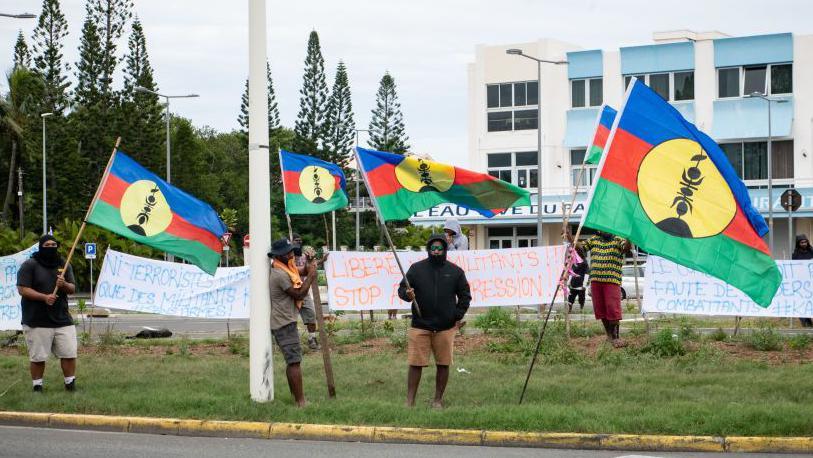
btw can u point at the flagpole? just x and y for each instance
(386, 231)
(90, 208)
(568, 259)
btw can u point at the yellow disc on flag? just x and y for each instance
(682, 191)
(316, 184)
(144, 209)
(421, 175)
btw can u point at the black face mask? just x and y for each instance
(48, 256)
(437, 260)
(297, 250)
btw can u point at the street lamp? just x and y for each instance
(358, 200)
(764, 97)
(167, 97)
(44, 189)
(539, 62)
(20, 16)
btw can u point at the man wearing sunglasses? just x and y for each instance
(441, 290)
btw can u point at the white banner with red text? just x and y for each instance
(518, 276)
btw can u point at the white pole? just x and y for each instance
(261, 367)
(770, 183)
(333, 228)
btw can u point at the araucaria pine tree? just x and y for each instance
(111, 17)
(22, 57)
(387, 123)
(142, 116)
(339, 125)
(310, 121)
(51, 30)
(273, 110)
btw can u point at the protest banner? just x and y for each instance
(672, 288)
(167, 288)
(10, 310)
(518, 276)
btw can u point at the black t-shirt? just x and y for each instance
(38, 314)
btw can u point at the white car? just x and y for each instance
(628, 282)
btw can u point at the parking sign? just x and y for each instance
(90, 251)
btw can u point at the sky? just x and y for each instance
(201, 46)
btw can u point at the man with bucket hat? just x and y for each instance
(288, 290)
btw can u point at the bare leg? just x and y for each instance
(37, 370)
(294, 374)
(413, 380)
(68, 366)
(441, 380)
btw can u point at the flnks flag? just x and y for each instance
(404, 185)
(670, 189)
(606, 116)
(134, 203)
(311, 186)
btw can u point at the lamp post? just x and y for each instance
(20, 16)
(539, 62)
(167, 97)
(358, 199)
(762, 96)
(44, 188)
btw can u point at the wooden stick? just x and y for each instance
(290, 229)
(565, 217)
(90, 208)
(320, 320)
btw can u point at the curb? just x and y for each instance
(398, 435)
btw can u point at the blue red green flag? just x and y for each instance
(312, 186)
(134, 203)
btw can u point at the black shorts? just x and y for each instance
(287, 338)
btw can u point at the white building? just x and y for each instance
(704, 75)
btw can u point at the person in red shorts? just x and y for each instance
(607, 253)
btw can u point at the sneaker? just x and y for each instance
(38, 388)
(71, 386)
(313, 344)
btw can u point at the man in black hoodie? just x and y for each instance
(803, 251)
(46, 321)
(441, 290)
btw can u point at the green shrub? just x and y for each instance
(686, 331)
(399, 341)
(238, 345)
(495, 319)
(718, 335)
(799, 341)
(665, 344)
(765, 338)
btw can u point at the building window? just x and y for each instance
(509, 237)
(586, 93)
(750, 159)
(754, 80)
(518, 168)
(728, 82)
(782, 79)
(500, 98)
(773, 79)
(675, 86)
(576, 160)
(684, 85)
(499, 121)
(525, 119)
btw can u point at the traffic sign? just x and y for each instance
(226, 237)
(791, 200)
(90, 251)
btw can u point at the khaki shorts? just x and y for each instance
(421, 342)
(44, 341)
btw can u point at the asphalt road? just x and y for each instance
(43, 442)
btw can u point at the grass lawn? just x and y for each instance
(580, 385)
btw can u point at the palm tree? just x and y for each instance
(16, 108)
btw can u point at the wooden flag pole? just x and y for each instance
(90, 208)
(386, 231)
(323, 338)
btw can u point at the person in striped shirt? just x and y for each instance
(607, 253)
